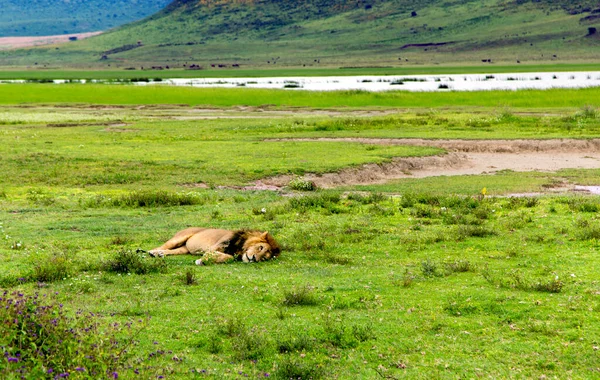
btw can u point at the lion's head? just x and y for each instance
(259, 246)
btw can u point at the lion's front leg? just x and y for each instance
(214, 257)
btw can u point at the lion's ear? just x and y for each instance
(264, 235)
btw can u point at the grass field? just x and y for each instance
(112, 74)
(417, 278)
(216, 97)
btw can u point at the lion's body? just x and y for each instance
(220, 245)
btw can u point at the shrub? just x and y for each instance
(371, 198)
(324, 201)
(157, 198)
(589, 233)
(41, 340)
(250, 345)
(304, 296)
(465, 231)
(297, 343)
(429, 269)
(301, 184)
(127, 261)
(293, 369)
(190, 277)
(516, 280)
(458, 267)
(40, 197)
(336, 333)
(54, 268)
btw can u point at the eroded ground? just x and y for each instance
(465, 157)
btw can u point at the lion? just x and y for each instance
(220, 246)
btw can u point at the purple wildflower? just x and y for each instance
(50, 370)
(80, 369)
(115, 375)
(267, 374)
(13, 360)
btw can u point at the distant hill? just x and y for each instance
(53, 17)
(340, 33)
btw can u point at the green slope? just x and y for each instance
(51, 17)
(339, 33)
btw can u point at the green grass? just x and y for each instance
(107, 73)
(128, 95)
(417, 278)
(501, 183)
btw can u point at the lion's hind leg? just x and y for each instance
(175, 245)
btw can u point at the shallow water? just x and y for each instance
(590, 189)
(455, 82)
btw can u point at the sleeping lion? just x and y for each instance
(220, 246)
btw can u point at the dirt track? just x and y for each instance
(21, 42)
(465, 157)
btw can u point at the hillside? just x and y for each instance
(52, 17)
(263, 33)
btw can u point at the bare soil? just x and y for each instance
(464, 157)
(7, 43)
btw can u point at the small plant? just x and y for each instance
(157, 198)
(294, 369)
(407, 279)
(40, 197)
(588, 112)
(465, 231)
(300, 184)
(303, 296)
(458, 267)
(589, 233)
(231, 327)
(336, 333)
(120, 240)
(54, 268)
(190, 277)
(126, 261)
(516, 280)
(370, 198)
(250, 345)
(429, 268)
(41, 340)
(363, 333)
(297, 343)
(318, 201)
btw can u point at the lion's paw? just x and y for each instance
(156, 253)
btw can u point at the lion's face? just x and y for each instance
(260, 249)
(258, 252)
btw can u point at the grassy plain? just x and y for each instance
(111, 74)
(412, 279)
(217, 97)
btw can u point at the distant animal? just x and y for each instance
(220, 246)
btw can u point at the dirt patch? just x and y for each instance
(7, 43)
(465, 157)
